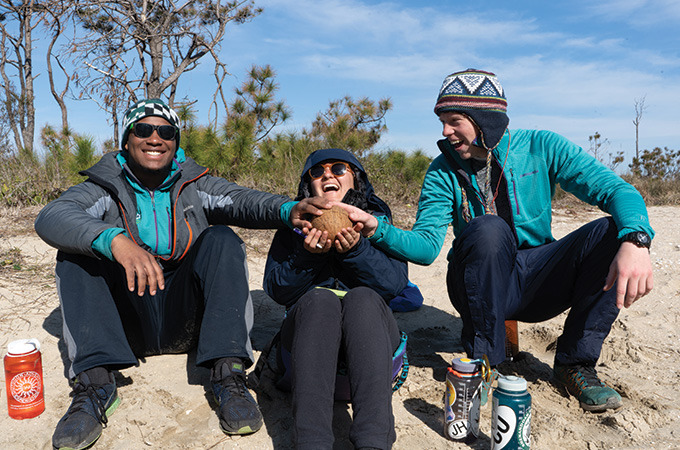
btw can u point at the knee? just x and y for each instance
(488, 227)
(363, 304)
(73, 265)
(485, 236)
(220, 243)
(601, 240)
(220, 235)
(606, 229)
(319, 303)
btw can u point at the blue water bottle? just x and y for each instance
(511, 415)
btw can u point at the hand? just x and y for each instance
(311, 205)
(315, 237)
(365, 223)
(138, 264)
(631, 269)
(346, 239)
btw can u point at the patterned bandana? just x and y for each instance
(146, 108)
(480, 96)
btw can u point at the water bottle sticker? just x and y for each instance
(525, 430)
(504, 425)
(25, 386)
(458, 429)
(450, 393)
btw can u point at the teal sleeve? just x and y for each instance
(285, 210)
(588, 179)
(417, 246)
(422, 244)
(102, 244)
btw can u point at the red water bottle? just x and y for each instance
(23, 379)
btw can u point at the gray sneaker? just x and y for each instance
(95, 398)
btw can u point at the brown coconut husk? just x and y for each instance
(332, 220)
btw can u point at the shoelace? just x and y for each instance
(586, 376)
(234, 384)
(80, 401)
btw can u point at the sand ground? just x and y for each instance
(165, 399)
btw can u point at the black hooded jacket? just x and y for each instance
(291, 270)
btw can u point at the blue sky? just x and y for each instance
(573, 67)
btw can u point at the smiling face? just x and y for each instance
(150, 158)
(461, 132)
(332, 187)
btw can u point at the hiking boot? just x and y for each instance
(239, 413)
(95, 398)
(583, 383)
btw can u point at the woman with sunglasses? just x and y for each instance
(347, 322)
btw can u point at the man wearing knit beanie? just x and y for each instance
(146, 265)
(495, 186)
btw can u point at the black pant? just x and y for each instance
(362, 328)
(490, 281)
(206, 303)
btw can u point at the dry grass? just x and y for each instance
(657, 192)
(17, 220)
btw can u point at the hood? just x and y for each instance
(362, 196)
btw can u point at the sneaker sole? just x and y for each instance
(612, 403)
(114, 406)
(241, 431)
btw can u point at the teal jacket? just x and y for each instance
(533, 162)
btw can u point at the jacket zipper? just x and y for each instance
(514, 192)
(169, 228)
(155, 218)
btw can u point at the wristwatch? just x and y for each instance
(639, 238)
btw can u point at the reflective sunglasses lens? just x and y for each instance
(142, 130)
(338, 169)
(166, 132)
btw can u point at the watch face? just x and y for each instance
(639, 238)
(643, 238)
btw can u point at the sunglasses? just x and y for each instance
(337, 168)
(145, 130)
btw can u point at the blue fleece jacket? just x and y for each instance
(533, 162)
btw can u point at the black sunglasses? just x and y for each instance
(337, 168)
(145, 130)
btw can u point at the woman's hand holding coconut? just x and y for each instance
(337, 231)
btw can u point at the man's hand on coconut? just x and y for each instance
(301, 212)
(365, 223)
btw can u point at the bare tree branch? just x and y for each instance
(639, 110)
(153, 43)
(58, 10)
(25, 16)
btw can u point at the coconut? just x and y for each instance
(332, 220)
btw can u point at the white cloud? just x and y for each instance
(637, 13)
(396, 26)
